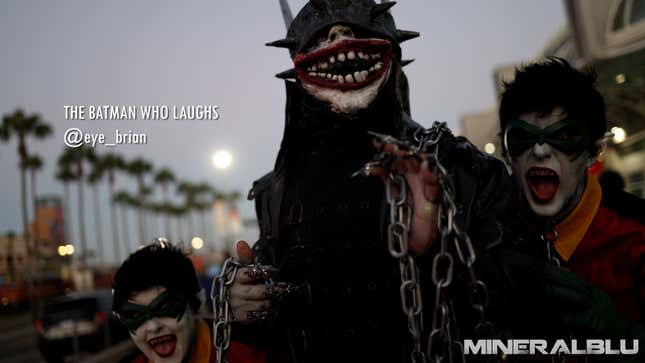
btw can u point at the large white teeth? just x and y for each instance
(361, 55)
(328, 75)
(313, 68)
(378, 66)
(323, 65)
(312, 74)
(364, 74)
(332, 59)
(351, 55)
(349, 78)
(341, 57)
(358, 77)
(341, 79)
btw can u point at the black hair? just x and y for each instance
(541, 87)
(158, 264)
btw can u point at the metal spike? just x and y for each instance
(288, 74)
(405, 62)
(289, 43)
(404, 35)
(380, 9)
(287, 16)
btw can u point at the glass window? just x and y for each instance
(619, 16)
(638, 11)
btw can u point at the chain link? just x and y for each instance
(223, 316)
(442, 343)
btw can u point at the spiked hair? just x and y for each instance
(541, 87)
(158, 264)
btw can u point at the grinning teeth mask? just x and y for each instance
(343, 51)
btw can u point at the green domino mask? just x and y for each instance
(568, 136)
(167, 304)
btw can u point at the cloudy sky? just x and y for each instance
(121, 52)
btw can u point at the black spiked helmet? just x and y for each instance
(363, 15)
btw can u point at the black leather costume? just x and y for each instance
(325, 231)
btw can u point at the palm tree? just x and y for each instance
(21, 126)
(189, 191)
(93, 178)
(164, 177)
(33, 163)
(65, 176)
(76, 157)
(204, 201)
(139, 168)
(124, 200)
(111, 163)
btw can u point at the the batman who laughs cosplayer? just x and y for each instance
(321, 228)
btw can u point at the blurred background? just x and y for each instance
(70, 216)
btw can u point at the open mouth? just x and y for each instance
(346, 65)
(164, 346)
(543, 183)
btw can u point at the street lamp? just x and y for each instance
(197, 243)
(222, 159)
(489, 148)
(619, 134)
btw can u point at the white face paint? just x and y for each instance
(345, 72)
(552, 183)
(164, 339)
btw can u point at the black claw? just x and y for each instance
(405, 62)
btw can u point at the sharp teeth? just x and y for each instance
(321, 75)
(334, 77)
(341, 57)
(351, 55)
(378, 66)
(341, 79)
(364, 74)
(357, 76)
(372, 69)
(332, 59)
(377, 55)
(328, 75)
(312, 74)
(361, 55)
(349, 78)
(313, 68)
(374, 56)
(323, 65)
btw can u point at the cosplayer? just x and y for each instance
(157, 297)
(322, 262)
(553, 122)
(582, 248)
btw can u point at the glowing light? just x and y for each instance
(61, 250)
(489, 148)
(197, 243)
(69, 249)
(5, 301)
(222, 159)
(619, 134)
(620, 78)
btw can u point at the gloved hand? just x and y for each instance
(586, 309)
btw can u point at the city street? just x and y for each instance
(18, 340)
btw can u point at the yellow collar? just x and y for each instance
(201, 352)
(573, 228)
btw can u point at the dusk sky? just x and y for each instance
(120, 52)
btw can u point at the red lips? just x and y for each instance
(543, 183)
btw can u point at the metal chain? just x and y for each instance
(442, 342)
(397, 239)
(223, 316)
